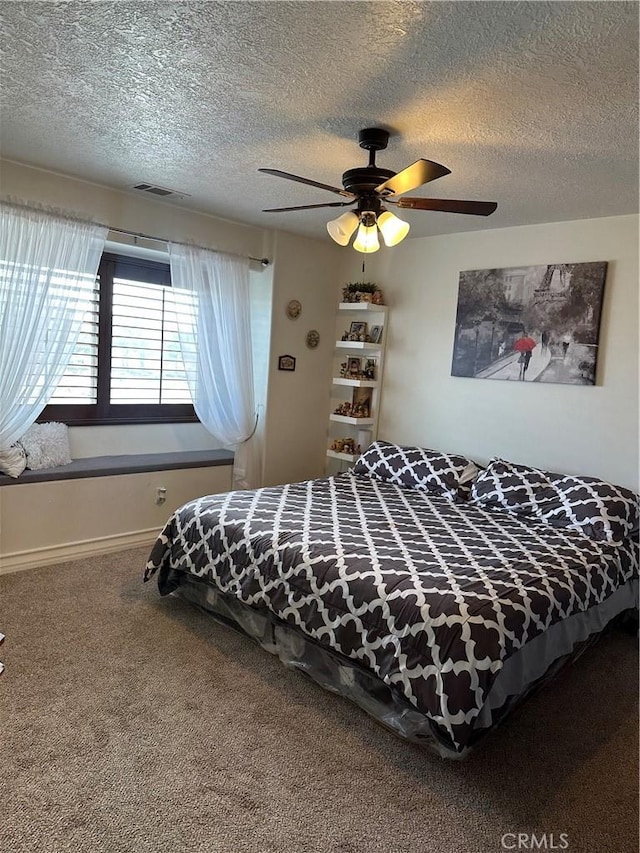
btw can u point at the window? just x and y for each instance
(127, 366)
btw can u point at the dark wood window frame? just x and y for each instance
(103, 412)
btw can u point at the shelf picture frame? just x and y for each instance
(354, 366)
(370, 368)
(358, 327)
(375, 334)
(362, 402)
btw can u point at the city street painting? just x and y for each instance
(530, 324)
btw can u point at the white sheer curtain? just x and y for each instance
(48, 268)
(214, 326)
(261, 294)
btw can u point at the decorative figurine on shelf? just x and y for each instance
(344, 370)
(345, 445)
(353, 410)
(360, 410)
(362, 291)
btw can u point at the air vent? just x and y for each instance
(163, 192)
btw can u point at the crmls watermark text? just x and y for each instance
(533, 841)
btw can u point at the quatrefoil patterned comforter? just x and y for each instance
(430, 595)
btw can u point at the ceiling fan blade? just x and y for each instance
(307, 206)
(447, 205)
(418, 173)
(308, 181)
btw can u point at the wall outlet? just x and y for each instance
(161, 495)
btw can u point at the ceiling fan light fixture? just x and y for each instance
(369, 187)
(393, 229)
(367, 239)
(341, 229)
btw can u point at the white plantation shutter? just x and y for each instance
(79, 383)
(146, 362)
(81, 372)
(128, 365)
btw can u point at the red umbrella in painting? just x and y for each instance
(524, 344)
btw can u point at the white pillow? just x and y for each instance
(46, 445)
(13, 461)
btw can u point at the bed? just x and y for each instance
(434, 595)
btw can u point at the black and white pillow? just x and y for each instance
(13, 460)
(599, 510)
(445, 474)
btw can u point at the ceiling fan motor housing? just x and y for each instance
(365, 179)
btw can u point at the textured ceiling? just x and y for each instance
(530, 104)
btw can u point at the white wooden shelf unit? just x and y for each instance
(362, 430)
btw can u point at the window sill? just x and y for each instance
(80, 422)
(75, 416)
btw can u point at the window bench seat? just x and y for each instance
(134, 463)
(101, 504)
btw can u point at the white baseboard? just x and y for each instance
(19, 560)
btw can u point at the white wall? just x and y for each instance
(128, 210)
(298, 410)
(576, 429)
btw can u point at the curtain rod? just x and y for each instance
(263, 261)
(66, 215)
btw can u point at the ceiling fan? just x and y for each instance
(371, 188)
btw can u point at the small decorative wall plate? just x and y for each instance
(286, 362)
(294, 309)
(313, 339)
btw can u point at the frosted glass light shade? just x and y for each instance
(367, 239)
(342, 228)
(393, 230)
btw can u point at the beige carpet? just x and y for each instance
(134, 723)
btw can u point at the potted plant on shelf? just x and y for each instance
(362, 291)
